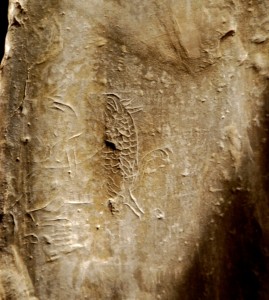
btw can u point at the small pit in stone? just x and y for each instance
(228, 34)
(110, 145)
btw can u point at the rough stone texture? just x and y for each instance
(134, 144)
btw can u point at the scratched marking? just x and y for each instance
(121, 153)
(57, 237)
(57, 230)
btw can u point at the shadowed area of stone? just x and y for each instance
(3, 25)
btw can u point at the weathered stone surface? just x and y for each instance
(134, 150)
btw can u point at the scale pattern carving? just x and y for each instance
(121, 154)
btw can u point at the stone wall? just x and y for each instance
(134, 145)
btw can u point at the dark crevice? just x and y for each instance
(16, 23)
(3, 25)
(227, 34)
(110, 145)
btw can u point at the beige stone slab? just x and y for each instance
(134, 138)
